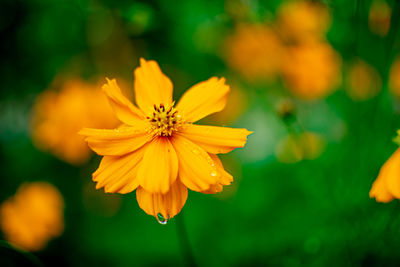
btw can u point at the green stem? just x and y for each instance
(184, 241)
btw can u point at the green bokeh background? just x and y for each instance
(314, 212)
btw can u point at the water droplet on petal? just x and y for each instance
(161, 219)
(213, 173)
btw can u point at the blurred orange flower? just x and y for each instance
(312, 71)
(254, 51)
(300, 21)
(363, 81)
(379, 17)
(295, 148)
(158, 150)
(394, 78)
(58, 116)
(387, 186)
(34, 216)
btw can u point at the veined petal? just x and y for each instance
(118, 174)
(159, 167)
(225, 178)
(214, 139)
(168, 204)
(115, 142)
(203, 99)
(379, 191)
(197, 170)
(152, 87)
(390, 173)
(123, 108)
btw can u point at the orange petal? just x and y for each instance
(159, 167)
(115, 142)
(168, 205)
(203, 99)
(390, 174)
(379, 191)
(152, 87)
(214, 139)
(123, 108)
(118, 174)
(225, 179)
(197, 170)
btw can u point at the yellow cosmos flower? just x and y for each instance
(59, 115)
(157, 150)
(33, 217)
(387, 186)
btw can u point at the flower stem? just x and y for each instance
(184, 241)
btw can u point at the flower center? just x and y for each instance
(164, 120)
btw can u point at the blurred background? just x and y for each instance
(317, 81)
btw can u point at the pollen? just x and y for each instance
(164, 120)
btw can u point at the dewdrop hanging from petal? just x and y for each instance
(158, 150)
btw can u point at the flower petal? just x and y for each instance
(390, 173)
(196, 168)
(379, 191)
(203, 99)
(115, 142)
(123, 108)
(225, 178)
(118, 174)
(214, 139)
(168, 205)
(152, 87)
(159, 167)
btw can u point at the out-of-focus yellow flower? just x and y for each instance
(58, 117)
(312, 71)
(363, 81)
(33, 216)
(300, 21)
(394, 78)
(387, 186)
(255, 52)
(295, 148)
(379, 17)
(158, 150)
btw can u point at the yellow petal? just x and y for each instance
(123, 108)
(390, 173)
(159, 167)
(203, 99)
(214, 139)
(118, 174)
(115, 142)
(225, 178)
(168, 205)
(152, 87)
(379, 191)
(197, 170)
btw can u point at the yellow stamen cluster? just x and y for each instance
(164, 120)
